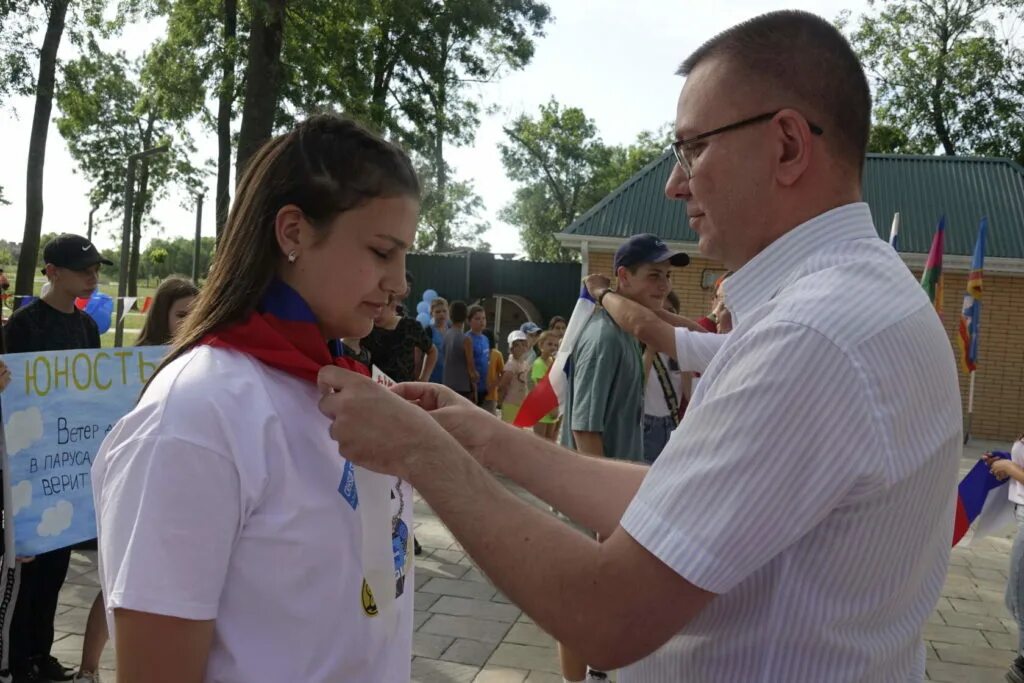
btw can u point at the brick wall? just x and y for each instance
(999, 381)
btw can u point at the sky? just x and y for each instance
(615, 59)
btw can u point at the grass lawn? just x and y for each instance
(132, 322)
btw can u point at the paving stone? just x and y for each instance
(448, 556)
(525, 657)
(484, 630)
(954, 635)
(419, 618)
(972, 621)
(496, 674)
(475, 575)
(979, 608)
(429, 645)
(529, 634)
(1001, 641)
(78, 596)
(960, 592)
(980, 656)
(431, 567)
(459, 588)
(436, 671)
(71, 620)
(543, 677)
(958, 673)
(465, 651)
(480, 609)
(989, 573)
(424, 601)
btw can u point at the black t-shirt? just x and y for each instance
(41, 327)
(393, 351)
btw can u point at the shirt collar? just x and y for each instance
(761, 278)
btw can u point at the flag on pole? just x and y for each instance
(552, 391)
(931, 278)
(970, 314)
(129, 301)
(982, 500)
(894, 232)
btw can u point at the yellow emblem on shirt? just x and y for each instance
(369, 605)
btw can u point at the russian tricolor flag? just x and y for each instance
(982, 501)
(551, 392)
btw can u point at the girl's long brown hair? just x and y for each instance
(325, 166)
(156, 331)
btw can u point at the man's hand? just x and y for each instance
(472, 427)
(1002, 468)
(377, 429)
(597, 284)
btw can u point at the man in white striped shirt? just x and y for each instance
(796, 528)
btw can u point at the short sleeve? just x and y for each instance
(696, 350)
(594, 366)
(774, 445)
(168, 512)
(540, 368)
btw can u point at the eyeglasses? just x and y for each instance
(686, 153)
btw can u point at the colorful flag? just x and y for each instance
(551, 392)
(894, 232)
(982, 500)
(931, 278)
(970, 314)
(146, 303)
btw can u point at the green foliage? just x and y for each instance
(564, 168)
(169, 257)
(945, 79)
(110, 111)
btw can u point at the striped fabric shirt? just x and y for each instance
(811, 483)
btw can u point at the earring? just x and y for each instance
(292, 256)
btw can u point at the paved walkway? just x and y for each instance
(467, 632)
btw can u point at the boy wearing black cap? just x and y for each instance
(51, 323)
(603, 415)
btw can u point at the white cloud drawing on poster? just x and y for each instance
(56, 519)
(22, 495)
(23, 429)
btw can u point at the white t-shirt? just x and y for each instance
(1017, 488)
(217, 498)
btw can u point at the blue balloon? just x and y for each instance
(423, 307)
(423, 319)
(429, 296)
(100, 308)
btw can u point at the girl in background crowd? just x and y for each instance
(557, 325)
(229, 533)
(171, 303)
(393, 344)
(514, 383)
(548, 345)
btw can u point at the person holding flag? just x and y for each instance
(229, 529)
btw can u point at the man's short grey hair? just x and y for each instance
(810, 64)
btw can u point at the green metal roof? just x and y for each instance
(921, 188)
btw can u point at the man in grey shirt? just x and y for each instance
(603, 414)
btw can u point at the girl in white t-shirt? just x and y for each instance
(230, 543)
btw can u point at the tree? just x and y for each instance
(262, 79)
(168, 257)
(455, 215)
(109, 112)
(944, 80)
(564, 169)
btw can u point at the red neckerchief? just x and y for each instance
(283, 333)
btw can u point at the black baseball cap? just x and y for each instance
(73, 252)
(646, 248)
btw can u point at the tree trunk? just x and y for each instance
(37, 148)
(262, 80)
(224, 111)
(938, 90)
(139, 208)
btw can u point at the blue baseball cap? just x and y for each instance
(530, 327)
(646, 248)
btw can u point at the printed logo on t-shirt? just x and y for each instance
(369, 605)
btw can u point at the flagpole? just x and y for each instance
(970, 410)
